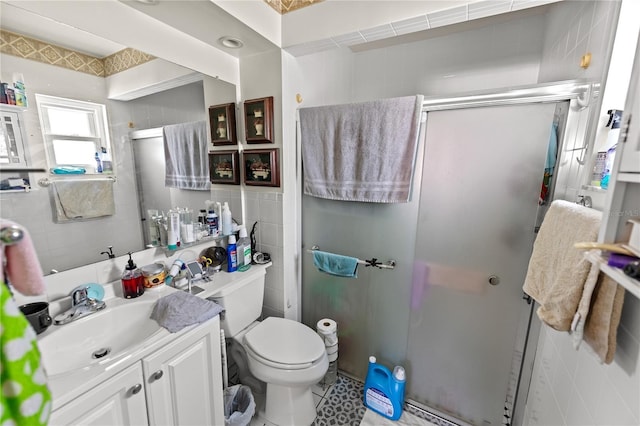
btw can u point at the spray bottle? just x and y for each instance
(384, 390)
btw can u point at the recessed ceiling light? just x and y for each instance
(231, 42)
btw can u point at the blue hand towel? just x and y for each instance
(335, 264)
(179, 310)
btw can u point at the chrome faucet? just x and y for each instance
(81, 306)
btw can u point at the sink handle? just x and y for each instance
(79, 295)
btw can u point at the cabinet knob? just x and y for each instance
(137, 388)
(157, 375)
(494, 280)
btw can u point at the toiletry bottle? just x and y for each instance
(173, 230)
(107, 163)
(227, 221)
(132, 280)
(232, 254)
(213, 223)
(243, 248)
(175, 269)
(98, 163)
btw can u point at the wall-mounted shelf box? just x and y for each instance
(630, 284)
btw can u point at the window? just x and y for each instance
(75, 133)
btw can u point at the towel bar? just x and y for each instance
(390, 264)
(44, 182)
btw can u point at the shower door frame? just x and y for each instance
(579, 124)
(581, 95)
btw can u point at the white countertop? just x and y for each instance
(65, 387)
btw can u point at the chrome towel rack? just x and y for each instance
(44, 182)
(390, 264)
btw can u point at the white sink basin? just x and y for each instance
(99, 338)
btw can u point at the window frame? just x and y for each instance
(98, 122)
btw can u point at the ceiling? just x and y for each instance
(205, 21)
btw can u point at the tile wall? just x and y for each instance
(570, 387)
(266, 209)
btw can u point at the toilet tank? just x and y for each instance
(241, 294)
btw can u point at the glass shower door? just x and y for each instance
(481, 182)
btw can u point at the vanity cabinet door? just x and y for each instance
(118, 401)
(184, 380)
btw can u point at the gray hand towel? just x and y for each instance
(180, 309)
(361, 152)
(186, 156)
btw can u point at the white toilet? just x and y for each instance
(287, 355)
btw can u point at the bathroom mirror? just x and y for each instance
(185, 98)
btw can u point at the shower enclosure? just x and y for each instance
(452, 311)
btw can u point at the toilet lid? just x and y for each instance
(285, 341)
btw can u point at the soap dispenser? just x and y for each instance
(132, 280)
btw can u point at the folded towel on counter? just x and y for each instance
(335, 264)
(186, 156)
(79, 199)
(361, 152)
(21, 264)
(558, 272)
(180, 309)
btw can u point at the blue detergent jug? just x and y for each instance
(383, 390)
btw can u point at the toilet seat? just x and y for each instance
(284, 344)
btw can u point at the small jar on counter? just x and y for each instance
(153, 275)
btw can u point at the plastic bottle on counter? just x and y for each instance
(232, 254)
(227, 220)
(213, 223)
(243, 248)
(132, 280)
(173, 230)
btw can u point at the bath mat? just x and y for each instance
(371, 418)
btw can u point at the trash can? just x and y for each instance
(239, 405)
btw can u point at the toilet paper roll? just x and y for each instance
(328, 330)
(333, 357)
(330, 340)
(326, 326)
(332, 349)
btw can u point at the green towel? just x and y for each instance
(25, 399)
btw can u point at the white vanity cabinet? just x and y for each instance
(183, 381)
(177, 382)
(119, 400)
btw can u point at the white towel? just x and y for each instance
(361, 152)
(558, 272)
(186, 156)
(80, 199)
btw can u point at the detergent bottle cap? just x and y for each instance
(372, 359)
(398, 373)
